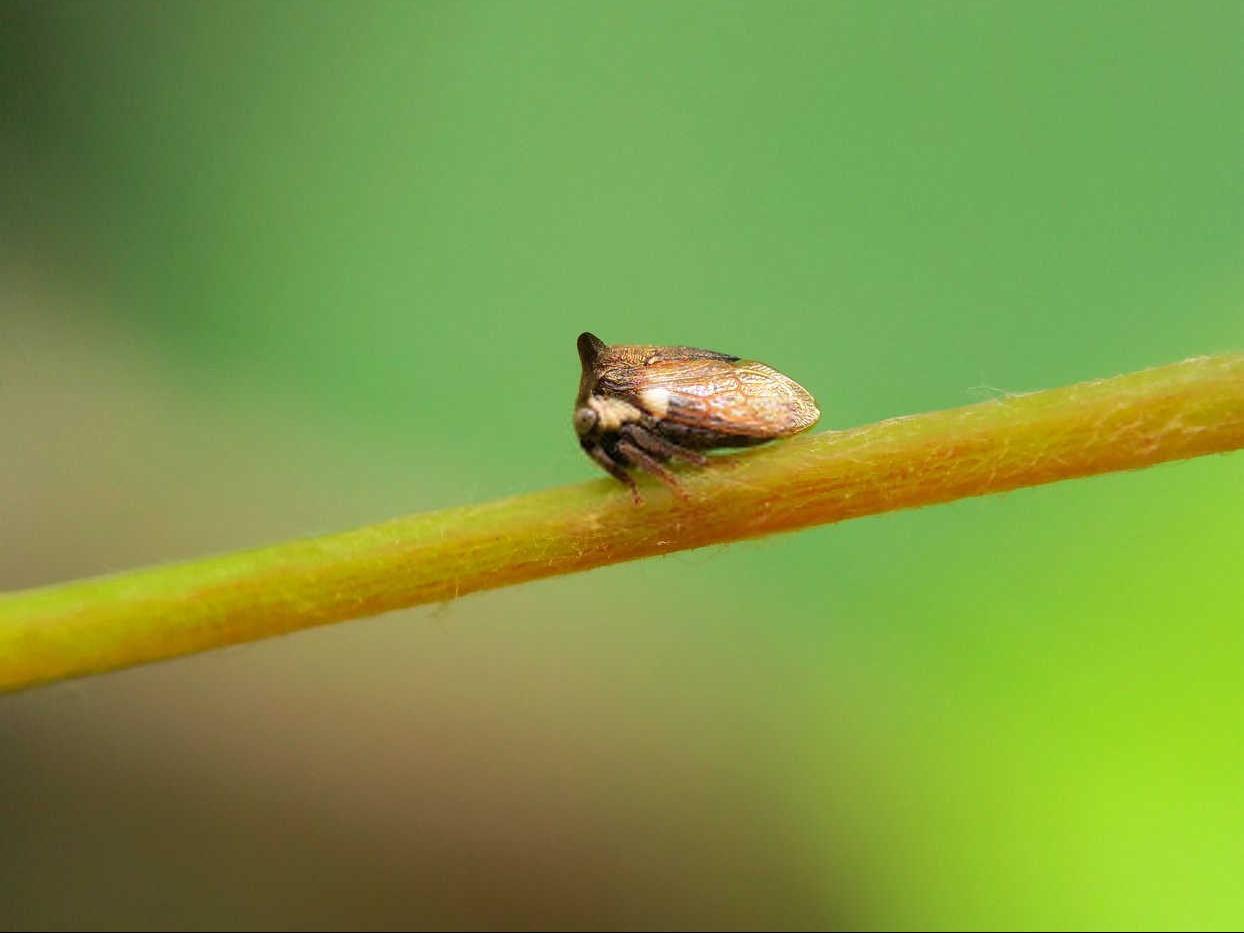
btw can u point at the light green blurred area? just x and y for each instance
(276, 269)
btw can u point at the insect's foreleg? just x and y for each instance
(640, 457)
(614, 469)
(653, 443)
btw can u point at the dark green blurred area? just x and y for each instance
(276, 269)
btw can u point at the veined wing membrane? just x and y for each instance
(742, 398)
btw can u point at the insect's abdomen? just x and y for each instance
(702, 438)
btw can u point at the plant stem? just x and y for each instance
(1184, 410)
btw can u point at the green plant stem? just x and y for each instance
(1184, 410)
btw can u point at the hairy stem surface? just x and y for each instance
(1174, 412)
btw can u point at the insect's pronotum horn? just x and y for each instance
(590, 347)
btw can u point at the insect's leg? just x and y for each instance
(658, 445)
(615, 469)
(640, 457)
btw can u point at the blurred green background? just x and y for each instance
(268, 270)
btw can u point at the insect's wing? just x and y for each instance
(739, 397)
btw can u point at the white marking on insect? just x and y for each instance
(613, 412)
(657, 400)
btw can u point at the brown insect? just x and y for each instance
(641, 406)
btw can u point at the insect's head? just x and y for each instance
(584, 420)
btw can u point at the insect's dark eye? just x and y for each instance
(584, 420)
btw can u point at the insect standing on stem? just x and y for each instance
(642, 406)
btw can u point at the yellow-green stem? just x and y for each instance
(1170, 413)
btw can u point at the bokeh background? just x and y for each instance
(269, 270)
